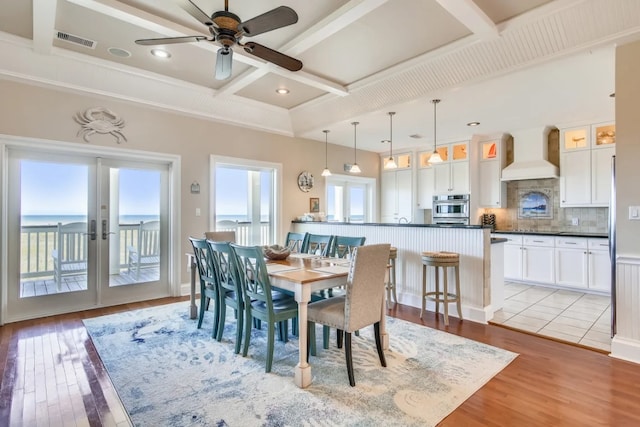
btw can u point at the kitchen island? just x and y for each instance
(472, 242)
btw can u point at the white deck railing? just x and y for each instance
(38, 241)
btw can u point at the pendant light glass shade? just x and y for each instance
(355, 168)
(326, 171)
(391, 163)
(435, 156)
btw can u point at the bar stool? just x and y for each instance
(444, 260)
(390, 284)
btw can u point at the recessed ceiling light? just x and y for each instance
(473, 123)
(159, 53)
(282, 91)
(121, 53)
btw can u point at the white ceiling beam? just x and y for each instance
(44, 19)
(159, 25)
(317, 33)
(471, 16)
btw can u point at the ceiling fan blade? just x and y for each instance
(196, 12)
(172, 40)
(273, 56)
(275, 18)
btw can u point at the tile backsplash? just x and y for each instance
(590, 220)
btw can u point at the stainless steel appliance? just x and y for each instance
(450, 209)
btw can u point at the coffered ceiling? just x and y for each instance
(507, 64)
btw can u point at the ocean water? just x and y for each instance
(28, 220)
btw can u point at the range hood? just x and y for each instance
(530, 151)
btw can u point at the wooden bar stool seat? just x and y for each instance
(441, 260)
(390, 284)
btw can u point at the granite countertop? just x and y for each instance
(392, 224)
(553, 233)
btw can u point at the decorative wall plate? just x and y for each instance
(305, 181)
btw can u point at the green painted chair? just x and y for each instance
(208, 285)
(319, 244)
(251, 271)
(343, 245)
(294, 241)
(229, 289)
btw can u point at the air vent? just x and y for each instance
(416, 136)
(75, 39)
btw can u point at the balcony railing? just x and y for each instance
(38, 242)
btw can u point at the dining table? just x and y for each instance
(301, 274)
(304, 274)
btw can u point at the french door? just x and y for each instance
(84, 231)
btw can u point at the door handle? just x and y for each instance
(92, 230)
(105, 231)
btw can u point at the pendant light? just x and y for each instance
(354, 167)
(435, 156)
(326, 171)
(391, 163)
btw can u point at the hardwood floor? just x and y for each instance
(52, 376)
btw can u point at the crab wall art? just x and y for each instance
(100, 120)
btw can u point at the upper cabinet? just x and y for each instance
(451, 176)
(492, 192)
(585, 164)
(396, 191)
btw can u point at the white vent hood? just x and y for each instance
(530, 151)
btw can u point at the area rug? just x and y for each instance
(169, 373)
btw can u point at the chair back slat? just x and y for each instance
(72, 242)
(343, 246)
(149, 239)
(294, 241)
(253, 275)
(204, 261)
(224, 267)
(318, 244)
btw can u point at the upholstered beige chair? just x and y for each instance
(362, 303)
(221, 236)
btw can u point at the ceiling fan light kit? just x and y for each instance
(227, 30)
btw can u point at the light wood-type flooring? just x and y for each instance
(52, 376)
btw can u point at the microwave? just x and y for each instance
(450, 206)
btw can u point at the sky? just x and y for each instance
(62, 189)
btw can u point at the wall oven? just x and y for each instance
(450, 209)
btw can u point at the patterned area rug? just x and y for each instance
(168, 373)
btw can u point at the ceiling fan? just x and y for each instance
(227, 29)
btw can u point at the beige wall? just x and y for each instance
(627, 146)
(36, 112)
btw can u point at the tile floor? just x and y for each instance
(566, 315)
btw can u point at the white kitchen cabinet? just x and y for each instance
(512, 256)
(426, 180)
(599, 265)
(585, 165)
(452, 175)
(572, 262)
(538, 259)
(492, 192)
(396, 192)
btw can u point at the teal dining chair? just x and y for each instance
(251, 271)
(208, 285)
(319, 244)
(229, 289)
(344, 245)
(294, 241)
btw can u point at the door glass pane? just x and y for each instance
(53, 225)
(134, 226)
(335, 203)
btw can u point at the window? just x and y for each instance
(350, 199)
(246, 195)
